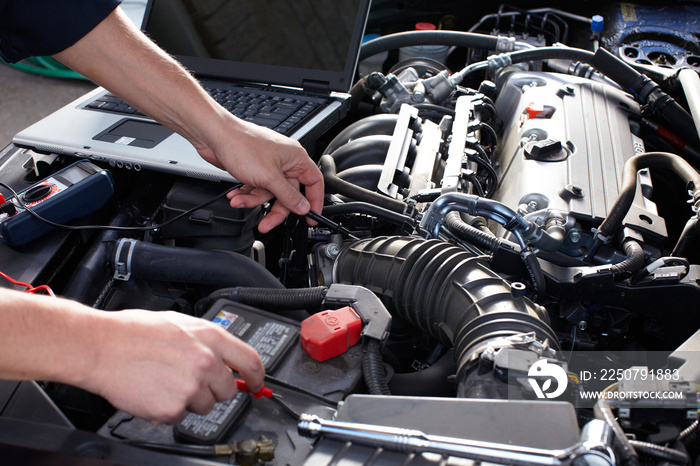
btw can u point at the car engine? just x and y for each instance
(510, 225)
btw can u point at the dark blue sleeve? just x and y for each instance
(44, 27)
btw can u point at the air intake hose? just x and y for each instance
(443, 290)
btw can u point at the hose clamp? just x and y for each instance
(505, 44)
(497, 62)
(122, 259)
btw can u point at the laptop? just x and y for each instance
(295, 61)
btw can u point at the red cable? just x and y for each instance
(29, 287)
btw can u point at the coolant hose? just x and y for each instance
(451, 38)
(443, 290)
(373, 370)
(336, 185)
(471, 234)
(188, 265)
(628, 187)
(81, 286)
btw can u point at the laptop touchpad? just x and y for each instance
(135, 133)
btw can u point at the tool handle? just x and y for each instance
(263, 392)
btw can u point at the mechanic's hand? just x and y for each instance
(270, 165)
(156, 365)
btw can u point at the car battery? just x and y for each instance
(305, 385)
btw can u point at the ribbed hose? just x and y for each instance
(443, 290)
(603, 411)
(373, 370)
(691, 435)
(337, 186)
(660, 453)
(188, 265)
(633, 263)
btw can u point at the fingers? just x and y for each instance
(246, 361)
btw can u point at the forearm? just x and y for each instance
(46, 338)
(119, 57)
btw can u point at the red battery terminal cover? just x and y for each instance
(330, 333)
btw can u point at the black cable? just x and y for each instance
(108, 227)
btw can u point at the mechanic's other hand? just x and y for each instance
(156, 365)
(270, 165)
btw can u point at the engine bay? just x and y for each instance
(512, 191)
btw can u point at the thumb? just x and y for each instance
(289, 196)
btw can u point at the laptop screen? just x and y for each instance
(283, 42)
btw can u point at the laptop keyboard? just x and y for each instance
(280, 113)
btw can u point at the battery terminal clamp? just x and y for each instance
(352, 312)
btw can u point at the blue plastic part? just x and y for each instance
(597, 23)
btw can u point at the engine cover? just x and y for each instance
(565, 141)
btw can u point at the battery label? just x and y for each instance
(270, 336)
(211, 427)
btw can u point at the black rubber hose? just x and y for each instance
(188, 265)
(660, 453)
(634, 261)
(336, 185)
(628, 186)
(373, 370)
(368, 209)
(603, 411)
(450, 38)
(466, 232)
(82, 286)
(432, 381)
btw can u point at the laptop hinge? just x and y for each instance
(316, 87)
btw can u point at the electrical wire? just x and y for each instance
(118, 228)
(29, 287)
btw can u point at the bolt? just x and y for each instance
(332, 250)
(575, 236)
(532, 206)
(582, 325)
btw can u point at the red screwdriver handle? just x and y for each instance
(263, 392)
